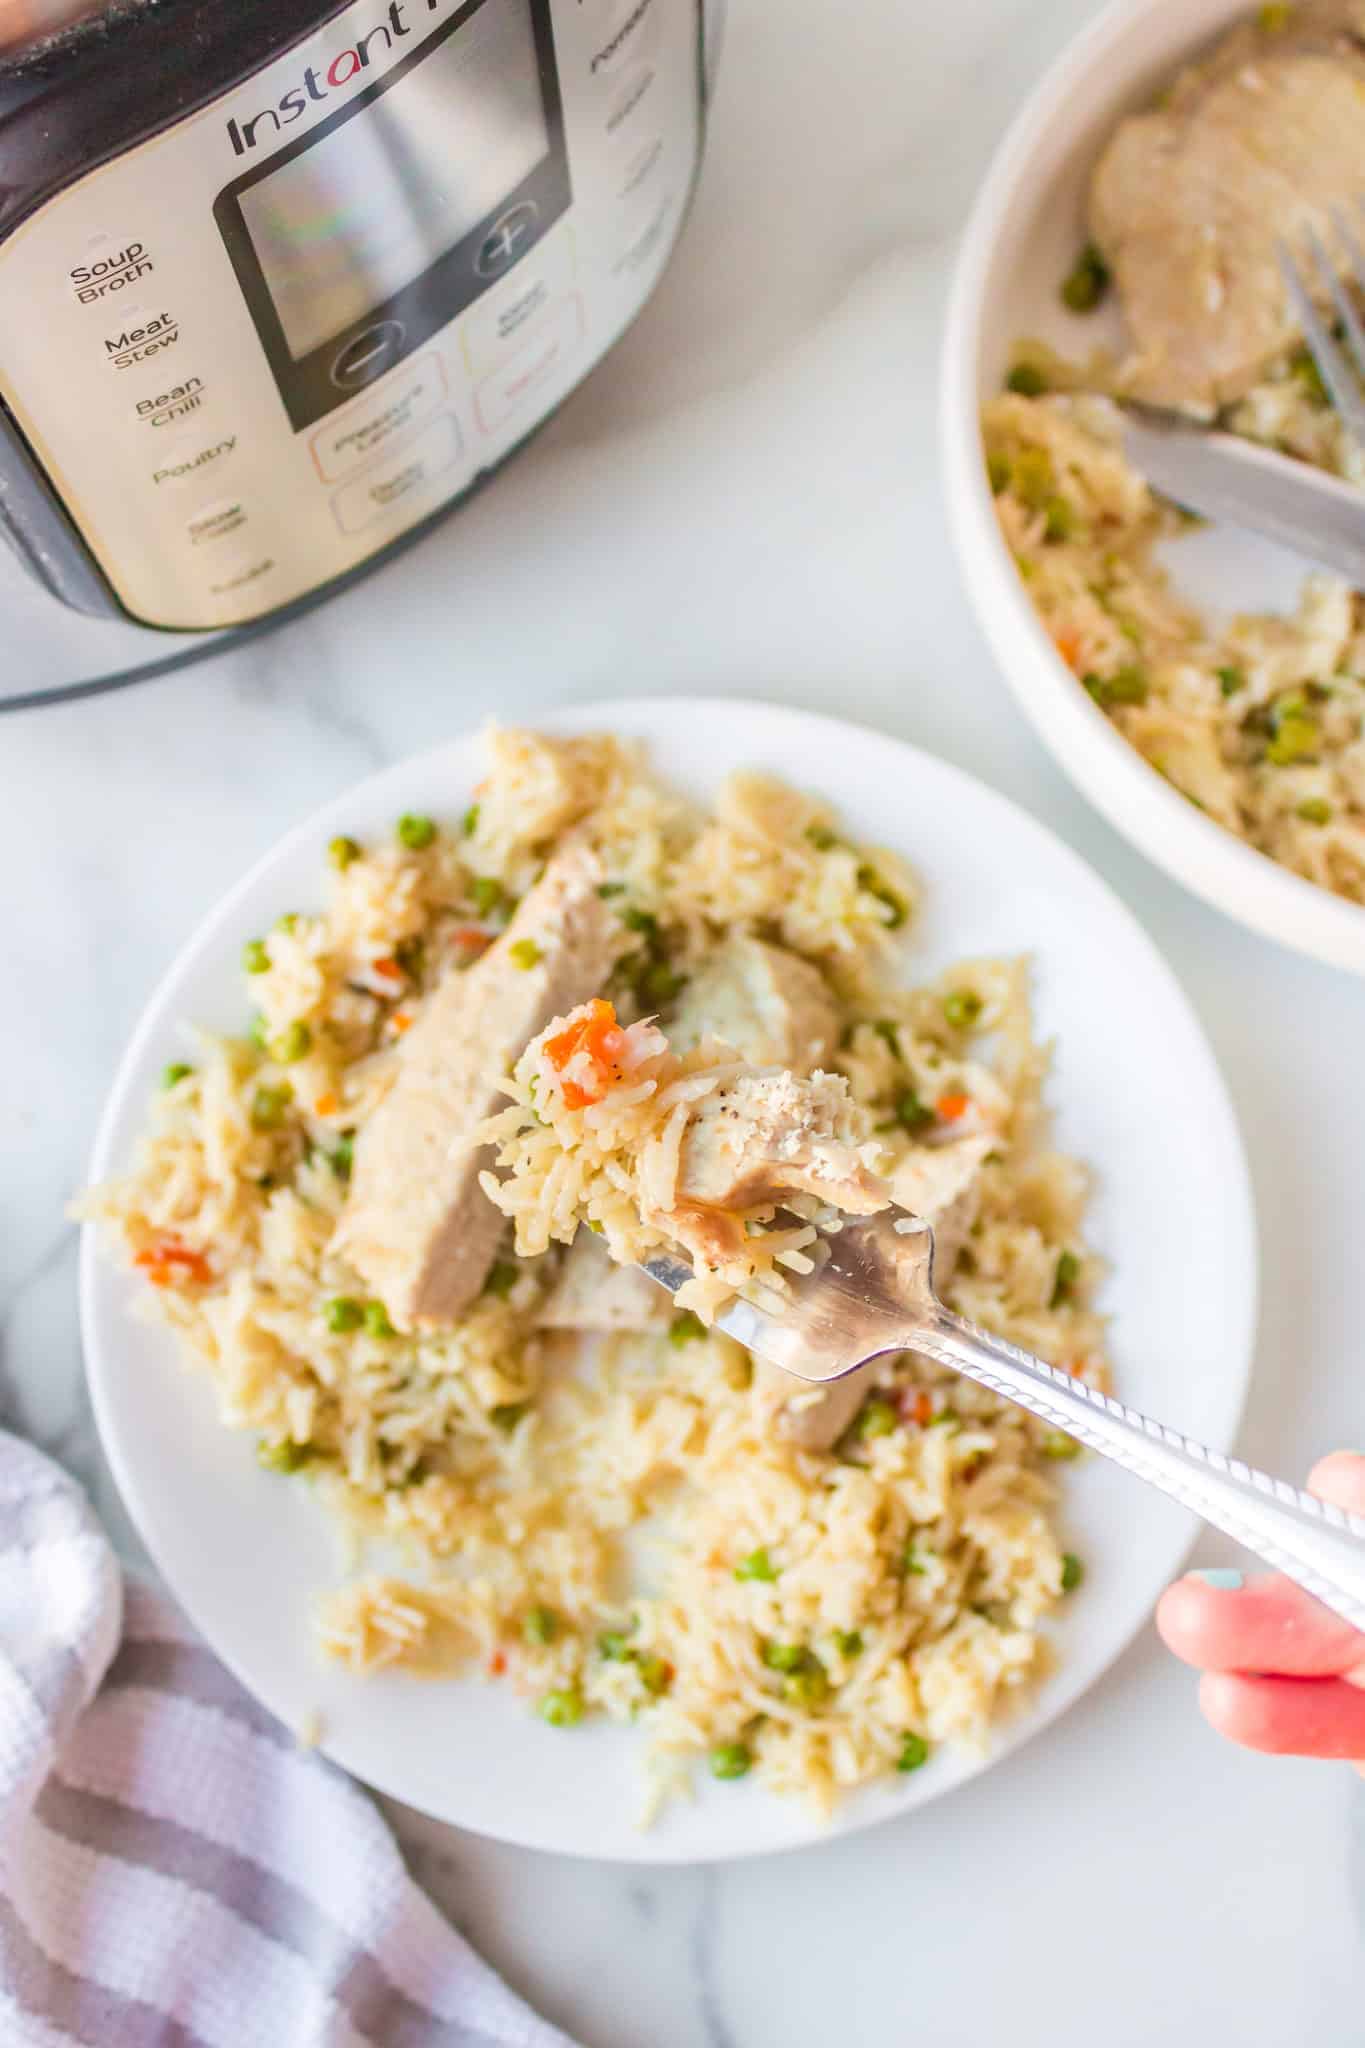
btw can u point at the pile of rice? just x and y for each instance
(1258, 722)
(613, 1525)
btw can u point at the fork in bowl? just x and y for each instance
(873, 1293)
(1306, 279)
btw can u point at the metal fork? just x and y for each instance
(875, 1294)
(1305, 289)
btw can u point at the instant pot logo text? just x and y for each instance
(347, 65)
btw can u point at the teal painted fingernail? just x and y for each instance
(1221, 1576)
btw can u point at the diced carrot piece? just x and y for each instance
(951, 1107)
(326, 1105)
(923, 1408)
(400, 1022)
(162, 1261)
(497, 1664)
(1068, 645)
(596, 1033)
(388, 970)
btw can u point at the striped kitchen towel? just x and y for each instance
(175, 1872)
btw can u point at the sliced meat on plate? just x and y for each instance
(771, 1005)
(417, 1227)
(591, 1292)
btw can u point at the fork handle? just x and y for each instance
(1320, 1546)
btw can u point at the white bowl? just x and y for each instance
(1136, 1092)
(1021, 240)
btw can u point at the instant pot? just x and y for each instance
(282, 281)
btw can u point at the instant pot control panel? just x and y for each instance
(256, 349)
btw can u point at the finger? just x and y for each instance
(1266, 1624)
(1340, 1479)
(1322, 1717)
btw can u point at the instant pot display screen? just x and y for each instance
(355, 242)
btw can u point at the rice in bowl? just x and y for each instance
(635, 1524)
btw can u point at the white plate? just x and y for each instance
(1022, 239)
(1137, 1093)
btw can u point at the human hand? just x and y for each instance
(1280, 1673)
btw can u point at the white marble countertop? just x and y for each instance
(745, 500)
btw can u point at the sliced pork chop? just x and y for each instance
(755, 1140)
(941, 1184)
(417, 1227)
(593, 1293)
(1189, 201)
(771, 1005)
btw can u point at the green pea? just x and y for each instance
(1296, 738)
(502, 1278)
(730, 1760)
(283, 1457)
(873, 884)
(808, 1687)
(255, 957)
(1314, 810)
(685, 1328)
(1034, 477)
(1000, 472)
(175, 1073)
(343, 1158)
(292, 1044)
(469, 823)
(643, 921)
(562, 1709)
(848, 1642)
(1065, 1276)
(1057, 1444)
(1231, 680)
(962, 1007)
(268, 1106)
(910, 1561)
(614, 1646)
(487, 893)
(342, 850)
(288, 922)
(911, 1113)
(1308, 377)
(343, 1314)
(606, 890)
(1128, 686)
(914, 1752)
(508, 1414)
(377, 1322)
(1073, 1571)
(416, 831)
(1059, 518)
(784, 1656)
(1026, 380)
(757, 1565)
(1087, 284)
(660, 983)
(887, 1032)
(878, 1418)
(821, 837)
(256, 1030)
(947, 1418)
(540, 1625)
(525, 954)
(655, 1674)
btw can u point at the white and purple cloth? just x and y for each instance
(175, 1871)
